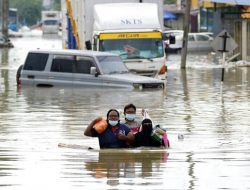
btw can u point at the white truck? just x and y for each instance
(128, 28)
(50, 22)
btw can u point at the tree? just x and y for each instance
(29, 11)
(57, 5)
(169, 1)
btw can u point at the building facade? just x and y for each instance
(215, 17)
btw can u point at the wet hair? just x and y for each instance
(111, 111)
(129, 106)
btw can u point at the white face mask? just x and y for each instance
(113, 123)
(130, 117)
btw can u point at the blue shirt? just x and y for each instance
(108, 139)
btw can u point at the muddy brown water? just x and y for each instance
(211, 119)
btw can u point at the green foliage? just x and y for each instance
(57, 5)
(29, 11)
(169, 1)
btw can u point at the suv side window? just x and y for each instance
(202, 38)
(191, 38)
(83, 65)
(63, 64)
(36, 61)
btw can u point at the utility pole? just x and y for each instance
(5, 17)
(185, 35)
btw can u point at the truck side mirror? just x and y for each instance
(171, 39)
(88, 45)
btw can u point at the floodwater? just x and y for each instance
(208, 124)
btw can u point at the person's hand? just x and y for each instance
(87, 131)
(122, 137)
(130, 136)
(143, 111)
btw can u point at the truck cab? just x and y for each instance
(142, 52)
(131, 30)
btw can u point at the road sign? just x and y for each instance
(223, 42)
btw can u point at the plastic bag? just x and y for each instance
(157, 133)
(100, 126)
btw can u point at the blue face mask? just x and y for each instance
(130, 117)
(113, 123)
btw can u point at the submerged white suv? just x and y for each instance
(80, 68)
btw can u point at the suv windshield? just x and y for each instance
(112, 65)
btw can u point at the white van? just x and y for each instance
(50, 22)
(80, 68)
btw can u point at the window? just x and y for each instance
(143, 48)
(83, 65)
(202, 38)
(36, 61)
(51, 22)
(190, 38)
(112, 64)
(63, 64)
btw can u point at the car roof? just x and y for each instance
(73, 52)
(191, 33)
(171, 31)
(200, 33)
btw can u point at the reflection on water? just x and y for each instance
(4, 56)
(212, 117)
(115, 165)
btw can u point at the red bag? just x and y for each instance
(100, 126)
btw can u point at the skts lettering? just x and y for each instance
(131, 21)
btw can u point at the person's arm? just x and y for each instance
(128, 138)
(88, 130)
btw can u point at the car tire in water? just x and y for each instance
(18, 74)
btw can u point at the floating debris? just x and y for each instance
(180, 136)
(242, 63)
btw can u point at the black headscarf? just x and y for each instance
(143, 138)
(147, 128)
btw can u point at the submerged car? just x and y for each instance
(196, 41)
(5, 42)
(80, 68)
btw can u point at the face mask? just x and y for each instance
(130, 117)
(113, 123)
